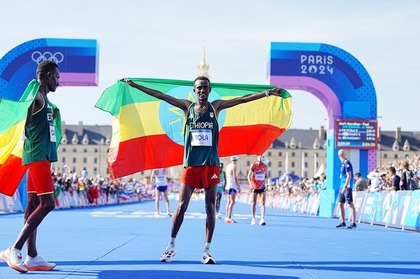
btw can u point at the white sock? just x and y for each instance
(171, 242)
(206, 247)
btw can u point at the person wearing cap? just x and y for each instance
(258, 179)
(232, 188)
(346, 190)
(201, 156)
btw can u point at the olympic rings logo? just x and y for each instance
(415, 208)
(38, 57)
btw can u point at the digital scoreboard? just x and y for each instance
(356, 133)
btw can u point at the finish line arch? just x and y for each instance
(78, 61)
(345, 89)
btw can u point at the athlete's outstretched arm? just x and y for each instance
(180, 103)
(223, 104)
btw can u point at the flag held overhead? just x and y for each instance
(148, 133)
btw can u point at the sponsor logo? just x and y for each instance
(39, 57)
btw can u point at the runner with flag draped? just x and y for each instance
(12, 122)
(148, 133)
(39, 151)
(199, 126)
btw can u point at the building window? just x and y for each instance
(95, 150)
(63, 160)
(395, 156)
(305, 164)
(85, 150)
(74, 150)
(95, 170)
(385, 155)
(269, 153)
(248, 163)
(280, 164)
(84, 160)
(64, 149)
(95, 160)
(74, 160)
(305, 154)
(293, 154)
(292, 164)
(280, 154)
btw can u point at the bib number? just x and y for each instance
(201, 138)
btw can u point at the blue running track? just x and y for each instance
(126, 241)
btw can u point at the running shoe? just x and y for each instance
(207, 258)
(253, 222)
(218, 216)
(341, 225)
(13, 258)
(169, 214)
(38, 264)
(168, 254)
(229, 221)
(262, 222)
(352, 226)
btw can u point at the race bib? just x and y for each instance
(201, 137)
(260, 176)
(161, 180)
(52, 133)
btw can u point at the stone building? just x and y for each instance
(298, 151)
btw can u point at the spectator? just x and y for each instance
(394, 180)
(360, 183)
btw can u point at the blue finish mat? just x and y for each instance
(126, 241)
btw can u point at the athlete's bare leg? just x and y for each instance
(38, 207)
(185, 193)
(210, 199)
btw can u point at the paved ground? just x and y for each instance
(126, 241)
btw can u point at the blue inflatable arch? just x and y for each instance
(345, 89)
(78, 61)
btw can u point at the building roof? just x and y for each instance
(96, 134)
(300, 138)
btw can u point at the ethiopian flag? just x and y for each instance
(148, 133)
(12, 124)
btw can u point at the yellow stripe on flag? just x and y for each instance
(132, 117)
(262, 111)
(10, 142)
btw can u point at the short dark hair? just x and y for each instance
(202, 78)
(44, 67)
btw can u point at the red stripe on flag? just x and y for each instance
(11, 173)
(159, 151)
(253, 139)
(138, 154)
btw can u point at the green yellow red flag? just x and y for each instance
(148, 133)
(12, 124)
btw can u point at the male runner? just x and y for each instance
(201, 157)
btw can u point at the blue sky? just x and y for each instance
(165, 39)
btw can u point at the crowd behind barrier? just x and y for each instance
(396, 209)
